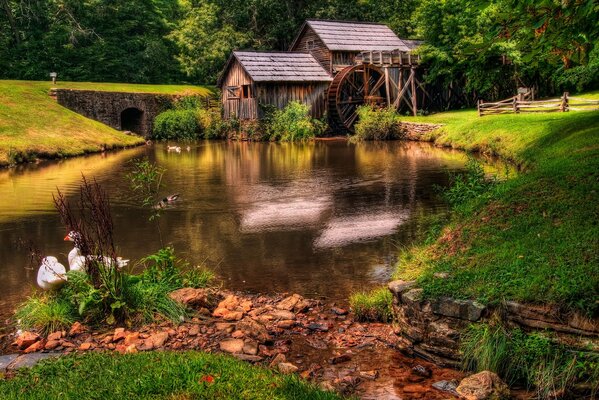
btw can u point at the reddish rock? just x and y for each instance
(340, 359)
(37, 346)
(246, 306)
(158, 339)
(52, 344)
(55, 336)
(279, 358)
(339, 311)
(286, 324)
(290, 302)
(131, 338)
(250, 347)
(77, 328)
(119, 333)
(287, 368)
(26, 339)
(237, 334)
(233, 315)
(485, 385)
(191, 297)
(86, 346)
(230, 302)
(232, 345)
(107, 339)
(194, 330)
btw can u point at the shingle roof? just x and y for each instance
(356, 36)
(281, 66)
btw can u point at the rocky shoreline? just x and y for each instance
(323, 343)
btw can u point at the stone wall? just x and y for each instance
(431, 329)
(416, 131)
(123, 111)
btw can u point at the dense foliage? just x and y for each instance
(486, 47)
(176, 124)
(293, 123)
(377, 124)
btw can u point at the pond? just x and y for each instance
(321, 219)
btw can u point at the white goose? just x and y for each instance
(52, 274)
(77, 260)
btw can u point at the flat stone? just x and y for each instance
(412, 296)
(318, 327)
(339, 311)
(77, 328)
(290, 302)
(446, 386)
(279, 358)
(282, 315)
(37, 346)
(55, 336)
(398, 287)
(369, 375)
(6, 360)
(190, 297)
(287, 368)
(158, 339)
(250, 347)
(463, 309)
(286, 324)
(248, 357)
(485, 385)
(340, 359)
(29, 360)
(233, 315)
(232, 345)
(423, 371)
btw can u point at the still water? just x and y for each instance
(321, 219)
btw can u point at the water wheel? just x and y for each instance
(352, 87)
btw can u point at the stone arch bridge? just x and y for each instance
(124, 111)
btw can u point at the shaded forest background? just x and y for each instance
(488, 47)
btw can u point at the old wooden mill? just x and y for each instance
(333, 66)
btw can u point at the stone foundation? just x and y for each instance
(431, 329)
(416, 131)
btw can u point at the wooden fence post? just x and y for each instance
(480, 101)
(564, 105)
(515, 105)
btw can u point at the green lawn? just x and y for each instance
(533, 238)
(33, 125)
(154, 375)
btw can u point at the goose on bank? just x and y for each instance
(51, 274)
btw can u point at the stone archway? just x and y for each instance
(132, 119)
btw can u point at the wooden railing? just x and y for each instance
(515, 105)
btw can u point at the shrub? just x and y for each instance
(176, 124)
(293, 123)
(377, 124)
(469, 185)
(212, 126)
(372, 306)
(46, 313)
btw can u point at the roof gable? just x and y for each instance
(354, 36)
(264, 66)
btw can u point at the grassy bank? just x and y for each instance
(33, 125)
(156, 375)
(533, 238)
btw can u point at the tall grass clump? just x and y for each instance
(46, 313)
(372, 306)
(532, 359)
(469, 185)
(377, 124)
(293, 123)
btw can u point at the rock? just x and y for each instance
(230, 302)
(327, 386)
(26, 339)
(55, 336)
(279, 358)
(158, 339)
(286, 324)
(35, 347)
(290, 302)
(5, 361)
(131, 349)
(131, 338)
(233, 315)
(248, 357)
(287, 368)
(441, 275)
(318, 327)
(463, 309)
(77, 328)
(190, 297)
(485, 385)
(52, 344)
(254, 329)
(246, 305)
(302, 306)
(282, 315)
(446, 386)
(119, 333)
(340, 359)
(232, 345)
(237, 334)
(369, 375)
(85, 346)
(29, 360)
(219, 312)
(250, 347)
(423, 371)
(339, 311)
(399, 286)
(194, 330)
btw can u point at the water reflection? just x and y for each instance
(319, 218)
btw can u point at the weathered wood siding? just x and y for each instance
(242, 108)
(318, 49)
(281, 94)
(342, 59)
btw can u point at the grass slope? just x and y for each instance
(535, 237)
(154, 375)
(33, 125)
